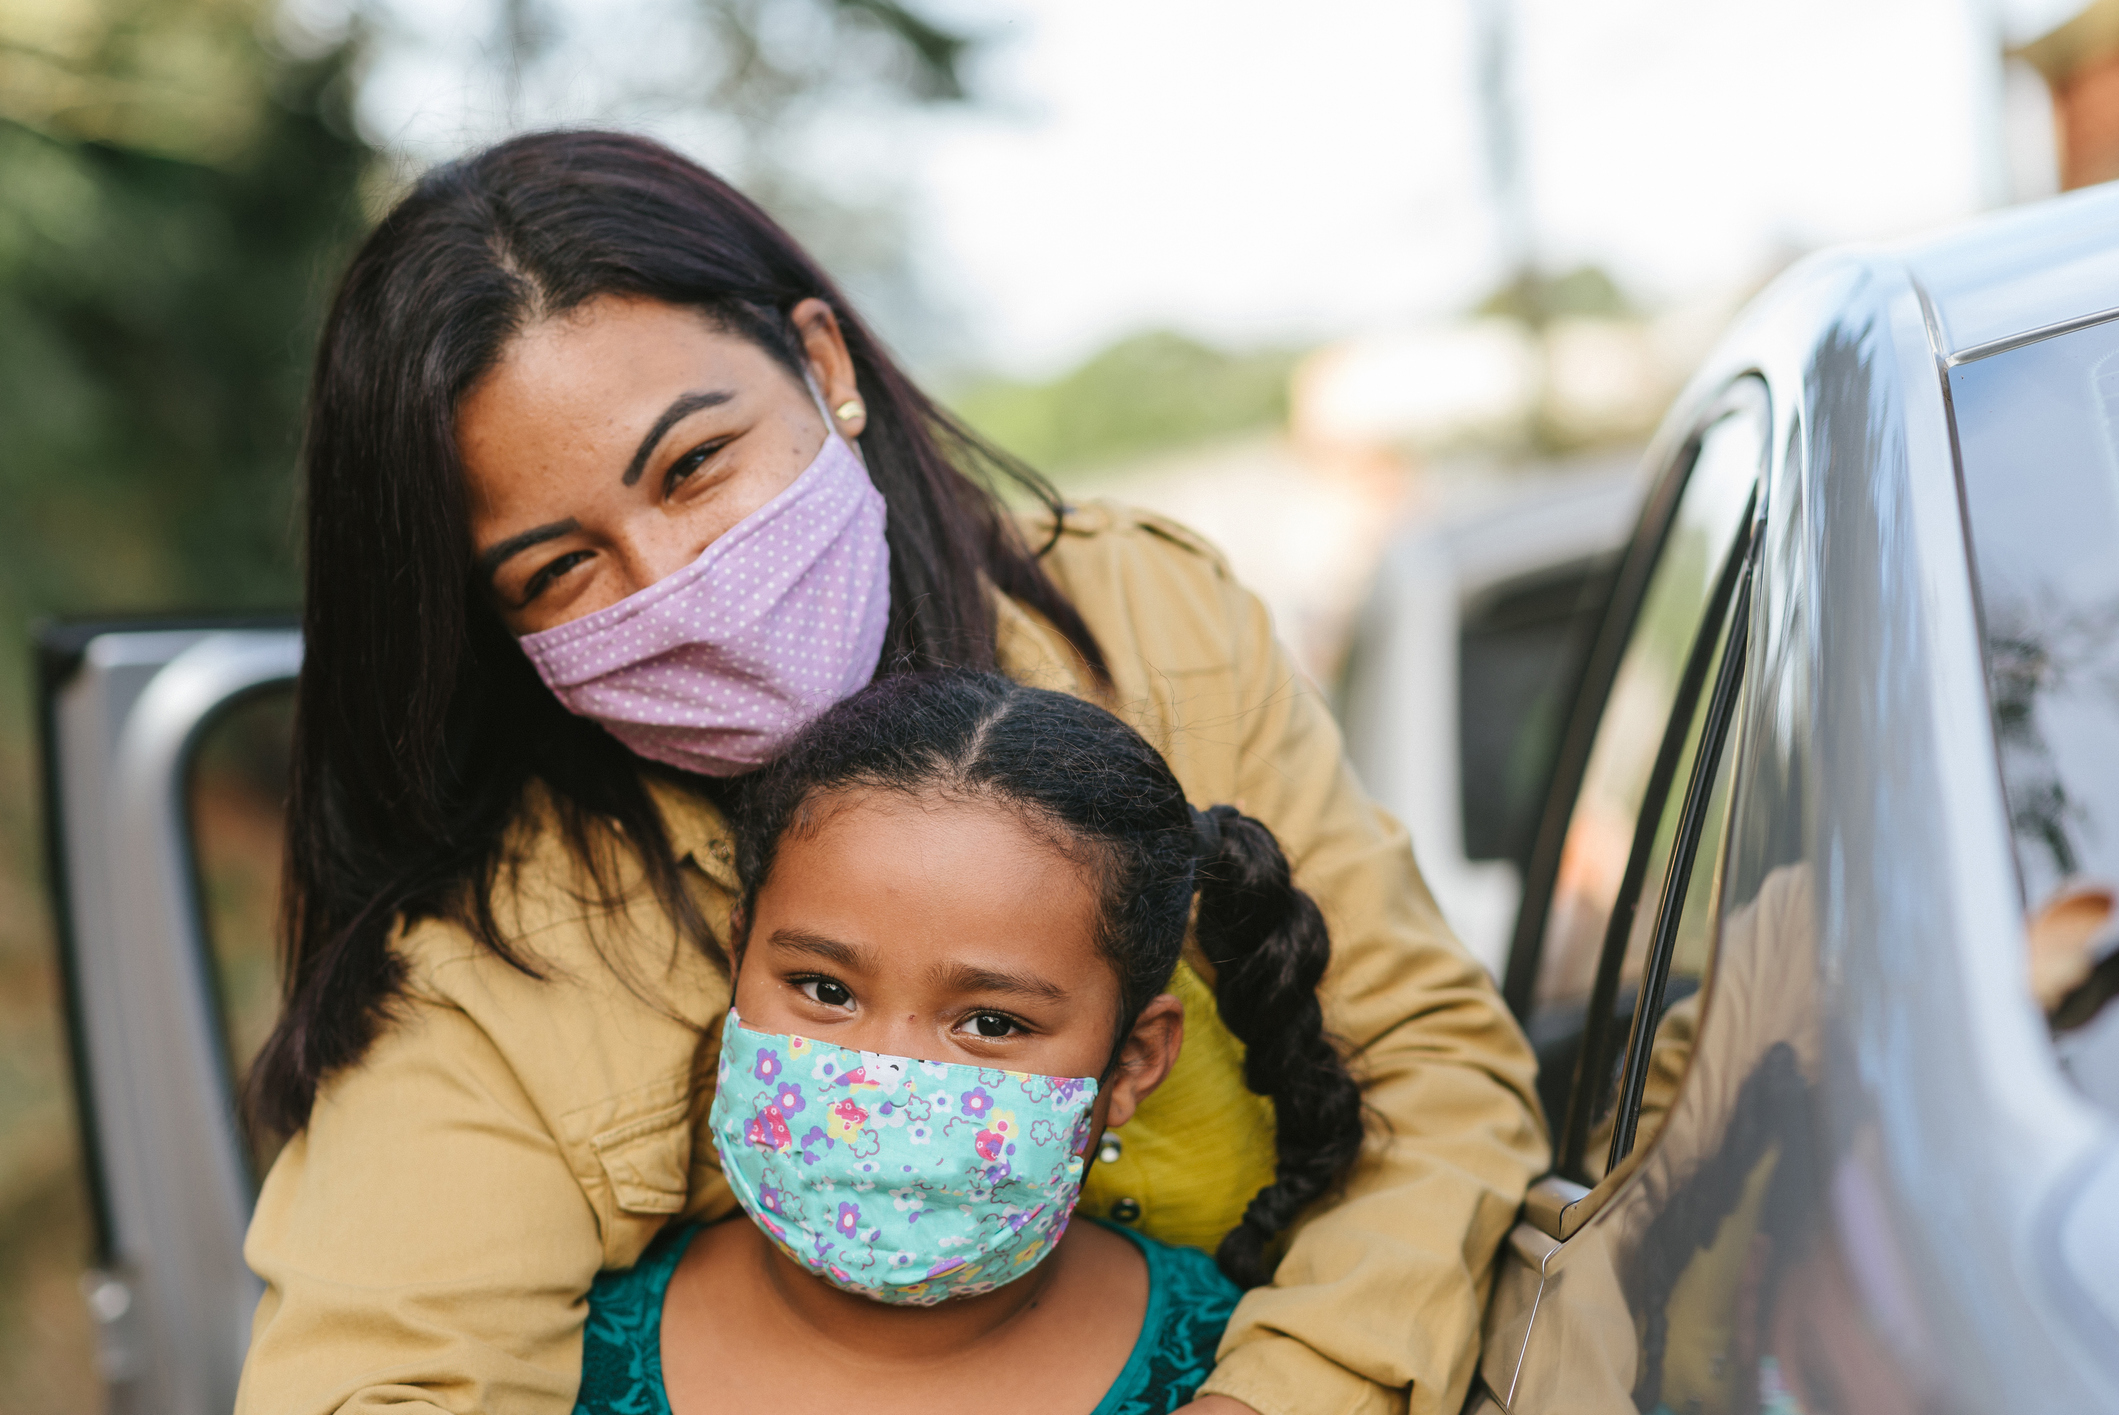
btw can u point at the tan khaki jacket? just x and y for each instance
(427, 1243)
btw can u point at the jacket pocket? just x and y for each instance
(648, 1161)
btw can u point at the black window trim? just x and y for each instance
(1677, 878)
(1594, 1061)
(1599, 668)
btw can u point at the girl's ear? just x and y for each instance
(738, 938)
(1147, 1055)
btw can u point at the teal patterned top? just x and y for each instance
(1189, 1302)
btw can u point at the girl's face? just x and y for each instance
(948, 931)
(614, 443)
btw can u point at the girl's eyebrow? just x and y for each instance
(963, 977)
(829, 949)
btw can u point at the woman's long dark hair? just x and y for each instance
(418, 721)
(1084, 774)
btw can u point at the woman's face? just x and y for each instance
(612, 444)
(949, 931)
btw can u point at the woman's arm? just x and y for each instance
(1382, 1287)
(423, 1243)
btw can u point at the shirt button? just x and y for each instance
(1126, 1210)
(1108, 1151)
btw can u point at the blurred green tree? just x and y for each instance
(1141, 395)
(166, 241)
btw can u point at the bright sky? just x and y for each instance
(1253, 171)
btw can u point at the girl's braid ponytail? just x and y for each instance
(1268, 944)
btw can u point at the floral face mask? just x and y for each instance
(903, 1180)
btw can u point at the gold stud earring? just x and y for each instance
(847, 411)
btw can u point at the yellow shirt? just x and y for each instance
(428, 1242)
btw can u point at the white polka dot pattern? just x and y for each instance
(715, 667)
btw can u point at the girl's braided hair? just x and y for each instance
(1080, 772)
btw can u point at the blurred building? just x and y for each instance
(2080, 64)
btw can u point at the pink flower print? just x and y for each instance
(768, 1130)
(849, 1223)
(789, 1098)
(767, 1066)
(975, 1103)
(845, 1120)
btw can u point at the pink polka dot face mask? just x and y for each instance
(712, 669)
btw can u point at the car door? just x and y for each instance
(161, 740)
(1618, 935)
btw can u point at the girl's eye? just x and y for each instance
(826, 991)
(993, 1026)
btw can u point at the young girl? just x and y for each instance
(962, 900)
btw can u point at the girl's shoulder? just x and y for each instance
(1189, 1303)
(621, 1344)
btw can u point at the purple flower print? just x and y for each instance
(850, 1220)
(789, 1098)
(769, 1197)
(814, 1144)
(767, 1066)
(975, 1103)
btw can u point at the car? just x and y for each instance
(1461, 664)
(1817, 935)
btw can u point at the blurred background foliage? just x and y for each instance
(173, 196)
(1142, 395)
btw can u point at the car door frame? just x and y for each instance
(122, 707)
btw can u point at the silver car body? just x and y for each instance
(1964, 1197)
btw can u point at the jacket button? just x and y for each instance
(1109, 1150)
(1126, 1210)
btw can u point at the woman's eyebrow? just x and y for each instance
(494, 556)
(829, 949)
(963, 977)
(675, 413)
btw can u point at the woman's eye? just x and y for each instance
(551, 572)
(684, 466)
(826, 991)
(992, 1025)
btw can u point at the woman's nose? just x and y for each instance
(648, 550)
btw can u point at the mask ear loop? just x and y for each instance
(831, 428)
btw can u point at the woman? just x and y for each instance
(554, 379)
(962, 900)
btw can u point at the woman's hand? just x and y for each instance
(1215, 1405)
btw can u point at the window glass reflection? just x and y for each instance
(2039, 433)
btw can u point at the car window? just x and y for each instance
(1668, 1004)
(2038, 429)
(237, 795)
(1638, 707)
(1518, 651)
(1652, 972)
